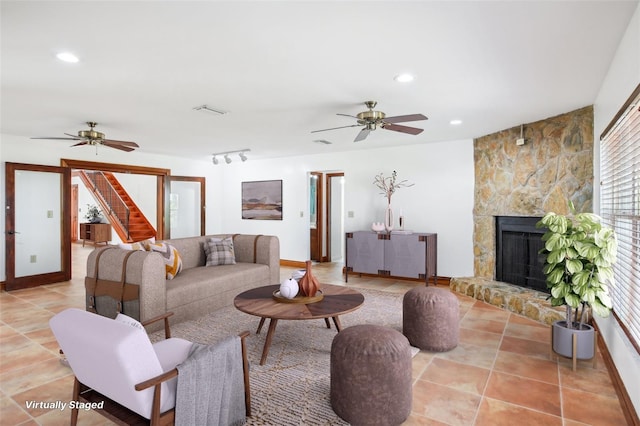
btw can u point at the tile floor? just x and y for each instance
(500, 373)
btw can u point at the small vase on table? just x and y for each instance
(308, 283)
(388, 218)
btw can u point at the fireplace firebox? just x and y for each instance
(518, 243)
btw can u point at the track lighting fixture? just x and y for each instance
(227, 159)
(207, 109)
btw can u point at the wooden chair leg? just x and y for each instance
(167, 328)
(155, 407)
(76, 395)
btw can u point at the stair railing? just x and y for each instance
(118, 208)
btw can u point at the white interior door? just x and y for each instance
(37, 225)
(186, 206)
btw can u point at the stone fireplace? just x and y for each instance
(554, 165)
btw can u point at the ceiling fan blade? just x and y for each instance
(55, 138)
(81, 143)
(117, 146)
(334, 128)
(73, 136)
(124, 143)
(403, 118)
(362, 135)
(403, 129)
(348, 115)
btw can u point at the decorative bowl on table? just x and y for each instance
(299, 298)
(377, 226)
(296, 275)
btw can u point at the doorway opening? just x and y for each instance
(326, 216)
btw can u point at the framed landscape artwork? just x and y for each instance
(262, 200)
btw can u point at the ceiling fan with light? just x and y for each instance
(371, 120)
(95, 138)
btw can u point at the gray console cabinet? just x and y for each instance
(393, 255)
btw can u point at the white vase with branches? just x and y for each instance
(389, 185)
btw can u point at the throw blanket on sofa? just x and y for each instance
(210, 389)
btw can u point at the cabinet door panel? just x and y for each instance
(404, 256)
(365, 253)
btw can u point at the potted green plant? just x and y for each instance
(93, 214)
(580, 254)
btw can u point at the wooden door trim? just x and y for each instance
(11, 282)
(74, 211)
(161, 182)
(319, 213)
(328, 177)
(203, 192)
(114, 168)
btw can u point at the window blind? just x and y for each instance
(620, 209)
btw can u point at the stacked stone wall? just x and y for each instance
(554, 165)
(526, 302)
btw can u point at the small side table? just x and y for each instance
(95, 232)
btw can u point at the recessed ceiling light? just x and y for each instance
(455, 122)
(67, 57)
(403, 78)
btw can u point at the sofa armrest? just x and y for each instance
(145, 269)
(268, 253)
(263, 249)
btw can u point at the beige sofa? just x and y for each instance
(197, 289)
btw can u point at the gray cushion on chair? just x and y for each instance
(430, 318)
(371, 375)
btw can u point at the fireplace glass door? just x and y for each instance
(518, 258)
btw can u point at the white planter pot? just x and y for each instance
(563, 340)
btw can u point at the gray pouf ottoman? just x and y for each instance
(430, 318)
(371, 375)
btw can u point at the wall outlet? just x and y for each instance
(350, 214)
(301, 214)
(520, 141)
(49, 214)
(33, 258)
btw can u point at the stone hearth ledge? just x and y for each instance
(522, 301)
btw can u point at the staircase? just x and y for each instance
(122, 212)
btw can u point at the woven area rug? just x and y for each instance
(292, 388)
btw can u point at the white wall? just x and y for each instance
(441, 200)
(622, 78)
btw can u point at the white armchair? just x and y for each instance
(117, 363)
